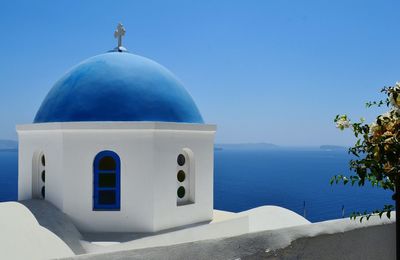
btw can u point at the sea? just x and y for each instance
(293, 178)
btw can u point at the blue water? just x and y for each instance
(245, 179)
(8, 175)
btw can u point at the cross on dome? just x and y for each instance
(119, 33)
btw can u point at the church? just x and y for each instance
(119, 145)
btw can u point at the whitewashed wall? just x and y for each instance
(148, 154)
(168, 145)
(50, 143)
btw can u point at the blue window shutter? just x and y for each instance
(107, 196)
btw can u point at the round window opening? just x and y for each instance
(43, 176)
(181, 160)
(43, 160)
(181, 192)
(181, 176)
(43, 192)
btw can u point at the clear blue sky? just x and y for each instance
(263, 71)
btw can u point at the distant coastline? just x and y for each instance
(332, 147)
(8, 150)
(245, 146)
(12, 145)
(8, 145)
(270, 146)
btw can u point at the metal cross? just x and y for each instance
(119, 33)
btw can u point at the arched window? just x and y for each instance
(106, 181)
(38, 175)
(185, 177)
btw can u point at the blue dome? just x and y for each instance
(118, 86)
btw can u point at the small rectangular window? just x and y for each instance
(107, 180)
(107, 197)
(107, 163)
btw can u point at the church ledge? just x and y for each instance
(115, 125)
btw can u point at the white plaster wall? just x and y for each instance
(22, 237)
(168, 145)
(329, 240)
(50, 143)
(148, 153)
(135, 151)
(235, 226)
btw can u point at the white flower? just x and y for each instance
(394, 97)
(373, 128)
(342, 122)
(386, 114)
(392, 100)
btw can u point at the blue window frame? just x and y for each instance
(106, 181)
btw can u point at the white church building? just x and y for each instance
(118, 158)
(119, 145)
